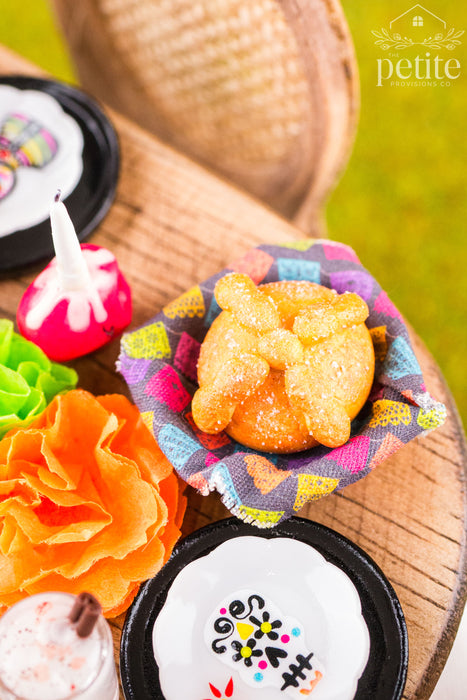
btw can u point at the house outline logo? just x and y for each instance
(416, 32)
(421, 8)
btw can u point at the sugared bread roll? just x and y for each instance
(285, 366)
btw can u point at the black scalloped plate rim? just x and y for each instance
(386, 671)
(30, 245)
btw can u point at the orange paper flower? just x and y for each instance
(87, 502)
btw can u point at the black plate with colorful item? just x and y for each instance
(385, 673)
(91, 198)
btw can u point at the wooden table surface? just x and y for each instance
(172, 225)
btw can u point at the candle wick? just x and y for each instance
(58, 195)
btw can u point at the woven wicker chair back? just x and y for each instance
(262, 91)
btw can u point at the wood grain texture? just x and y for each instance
(172, 225)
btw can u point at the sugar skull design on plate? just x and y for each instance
(40, 150)
(24, 143)
(52, 137)
(250, 634)
(241, 613)
(272, 615)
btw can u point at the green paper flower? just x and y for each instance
(28, 379)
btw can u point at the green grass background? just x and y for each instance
(401, 202)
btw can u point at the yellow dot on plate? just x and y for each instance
(266, 627)
(246, 652)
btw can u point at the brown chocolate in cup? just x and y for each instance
(85, 613)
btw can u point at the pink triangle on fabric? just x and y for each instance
(352, 456)
(198, 482)
(408, 394)
(255, 263)
(339, 251)
(389, 445)
(211, 459)
(383, 305)
(167, 388)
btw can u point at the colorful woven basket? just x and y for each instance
(159, 362)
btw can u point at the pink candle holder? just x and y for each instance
(80, 301)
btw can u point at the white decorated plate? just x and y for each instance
(241, 613)
(84, 165)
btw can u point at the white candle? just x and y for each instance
(71, 266)
(69, 279)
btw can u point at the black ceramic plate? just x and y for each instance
(90, 200)
(385, 673)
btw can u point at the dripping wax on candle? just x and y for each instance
(80, 301)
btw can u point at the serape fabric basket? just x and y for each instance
(159, 362)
